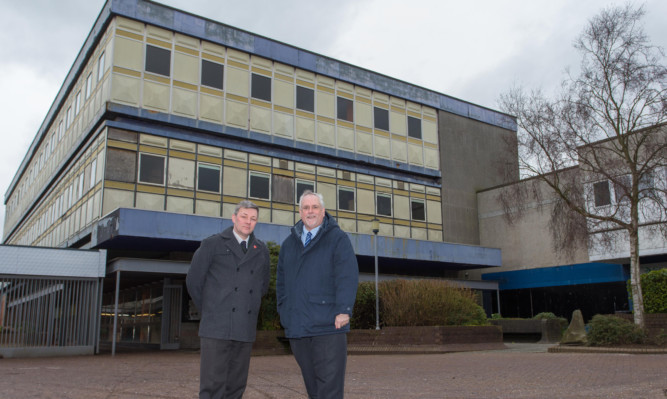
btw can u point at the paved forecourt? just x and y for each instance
(520, 371)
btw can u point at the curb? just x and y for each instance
(594, 349)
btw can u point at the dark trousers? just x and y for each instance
(223, 372)
(322, 361)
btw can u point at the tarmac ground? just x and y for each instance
(518, 371)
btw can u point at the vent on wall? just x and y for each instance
(346, 175)
(400, 185)
(283, 164)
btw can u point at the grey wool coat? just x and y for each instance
(227, 286)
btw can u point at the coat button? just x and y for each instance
(233, 309)
(238, 268)
(251, 291)
(236, 288)
(250, 311)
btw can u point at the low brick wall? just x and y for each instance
(550, 330)
(438, 335)
(656, 323)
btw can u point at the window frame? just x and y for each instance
(140, 168)
(209, 71)
(385, 118)
(377, 208)
(210, 166)
(297, 195)
(100, 66)
(311, 99)
(258, 85)
(344, 109)
(154, 65)
(267, 176)
(596, 194)
(412, 209)
(354, 198)
(411, 133)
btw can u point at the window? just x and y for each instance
(61, 130)
(158, 60)
(100, 67)
(381, 118)
(261, 87)
(305, 99)
(79, 193)
(77, 103)
(418, 210)
(151, 169)
(301, 186)
(259, 185)
(414, 127)
(208, 177)
(346, 199)
(345, 109)
(601, 193)
(89, 85)
(212, 74)
(68, 117)
(93, 173)
(383, 204)
(647, 185)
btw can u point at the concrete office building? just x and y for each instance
(167, 120)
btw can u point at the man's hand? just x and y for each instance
(341, 320)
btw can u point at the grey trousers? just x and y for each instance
(322, 360)
(223, 372)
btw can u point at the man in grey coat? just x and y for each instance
(228, 276)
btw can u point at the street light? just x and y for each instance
(376, 229)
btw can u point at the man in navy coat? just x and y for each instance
(316, 286)
(228, 276)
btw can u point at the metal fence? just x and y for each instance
(45, 312)
(49, 301)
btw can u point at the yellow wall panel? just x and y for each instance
(365, 201)
(181, 173)
(325, 104)
(117, 199)
(401, 207)
(415, 154)
(283, 94)
(435, 235)
(213, 48)
(237, 82)
(283, 125)
(382, 147)
(431, 158)
(207, 208)
(399, 150)
(328, 192)
(152, 202)
(128, 54)
(305, 130)
(125, 90)
(349, 225)
(156, 96)
(179, 204)
(433, 212)
(210, 108)
(363, 114)
(130, 25)
(234, 182)
(184, 102)
(260, 119)
(419, 234)
(159, 33)
(237, 114)
(326, 134)
(429, 131)
(398, 123)
(365, 143)
(186, 68)
(402, 231)
(285, 218)
(345, 138)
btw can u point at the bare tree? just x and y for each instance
(600, 145)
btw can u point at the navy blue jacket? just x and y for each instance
(316, 283)
(227, 286)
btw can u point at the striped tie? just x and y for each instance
(308, 237)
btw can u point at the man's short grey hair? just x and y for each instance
(246, 204)
(308, 192)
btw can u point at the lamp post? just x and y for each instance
(376, 229)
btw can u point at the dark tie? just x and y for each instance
(243, 246)
(308, 237)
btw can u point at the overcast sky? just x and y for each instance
(473, 50)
